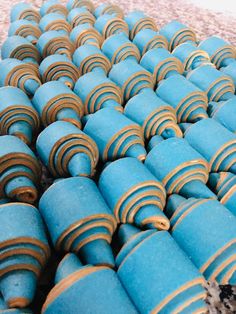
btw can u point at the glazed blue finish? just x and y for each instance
(80, 3)
(187, 99)
(25, 11)
(153, 114)
(137, 21)
(97, 91)
(110, 24)
(118, 47)
(89, 58)
(26, 29)
(161, 64)
(177, 33)
(52, 6)
(79, 16)
(147, 39)
(108, 8)
(212, 140)
(86, 34)
(216, 84)
(55, 21)
(68, 265)
(224, 113)
(151, 253)
(155, 140)
(230, 70)
(106, 127)
(127, 73)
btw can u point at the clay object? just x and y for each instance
(189, 102)
(66, 150)
(99, 284)
(55, 101)
(97, 91)
(53, 42)
(20, 74)
(147, 39)
(80, 16)
(154, 115)
(24, 11)
(136, 196)
(177, 33)
(157, 285)
(180, 168)
(27, 29)
(220, 51)
(110, 24)
(115, 135)
(59, 68)
(4, 201)
(56, 22)
(20, 170)
(71, 4)
(224, 112)
(131, 77)
(230, 70)
(194, 220)
(215, 143)
(223, 184)
(79, 220)
(213, 82)
(161, 64)
(17, 115)
(20, 48)
(89, 58)
(5, 309)
(118, 47)
(86, 34)
(191, 56)
(53, 6)
(137, 21)
(108, 8)
(24, 251)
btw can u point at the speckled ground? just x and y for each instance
(205, 23)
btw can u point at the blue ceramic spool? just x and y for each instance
(56, 22)
(24, 11)
(59, 68)
(53, 6)
(66, 150)
(108, 8)
(110, 24)
(115, 135)
(148, 39)
(214, 83)
(19, 74)
(118, 47)
(209, 220)
(20, 170)
(189, 102)
(179, 167)
(215, 143)
(157, 285)
(26, 29)
(224, 112)
(131, 77)
(97, 91)
(137, 21)
(17, 115)
(55, 101)
(71, 4)
(136, 195)
(230, 70)
(223, 185)
(219, 50)
(79, 220)
(86, 34)
(99, 284)
(22, 225)
(155, 116)
(20, 48)
(80, 16)
(53, 42)
(191, 56)
(177, 33)
(161, 64)
(89, 58)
